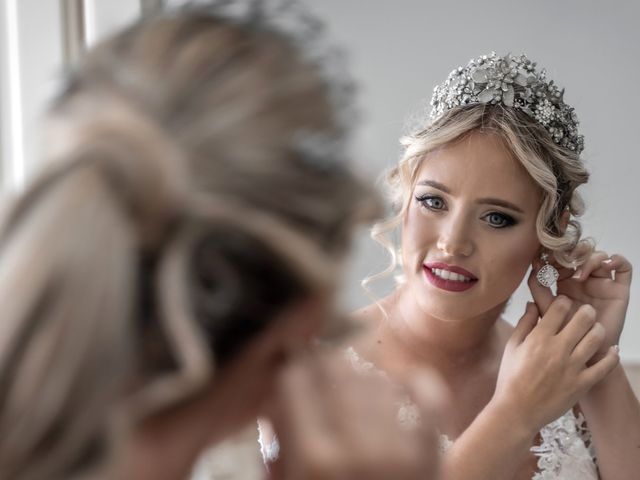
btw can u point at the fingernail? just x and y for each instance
(577, 275)
(607, 261)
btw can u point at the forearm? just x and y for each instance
(613, 415)
(492, 448)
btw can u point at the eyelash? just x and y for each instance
(506, 220)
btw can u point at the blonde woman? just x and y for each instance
(486, 187)
(160, 278)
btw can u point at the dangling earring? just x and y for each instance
(547, 275)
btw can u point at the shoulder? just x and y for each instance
(372, 315)
(375, 312)
(364, 320)
(367, 314)
(367, 322)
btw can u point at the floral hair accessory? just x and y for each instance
(514, 82)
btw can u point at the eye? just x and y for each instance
(499, 220)
(432, 202)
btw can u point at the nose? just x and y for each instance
(454, 239)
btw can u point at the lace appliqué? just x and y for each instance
(269, 450)
(566, 451)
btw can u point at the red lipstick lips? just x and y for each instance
(449, 277)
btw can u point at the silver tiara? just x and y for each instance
(512, 81)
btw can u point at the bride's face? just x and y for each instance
(469, 234)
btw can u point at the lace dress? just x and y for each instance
(564, 453)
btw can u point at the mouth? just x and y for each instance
(449, 277)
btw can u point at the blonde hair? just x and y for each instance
(173, 221)
(556, 170)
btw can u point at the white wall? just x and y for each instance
(401, 49)
(104, 16)
(31, 52)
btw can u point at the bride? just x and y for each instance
(486, 188)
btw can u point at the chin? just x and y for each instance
(448, 310)
(458, 309)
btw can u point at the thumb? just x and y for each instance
(526, 324)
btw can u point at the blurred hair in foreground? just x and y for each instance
(175, 218)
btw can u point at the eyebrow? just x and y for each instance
(438, 185)
(484, 201)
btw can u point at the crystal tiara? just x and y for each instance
(512, 81)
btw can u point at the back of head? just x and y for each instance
(192, 190)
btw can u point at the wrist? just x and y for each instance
(598, 392)
(600, 354)
(521, 425)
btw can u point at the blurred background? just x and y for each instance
(397, 51)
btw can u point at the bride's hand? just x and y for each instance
(543, 371)
(602, 282)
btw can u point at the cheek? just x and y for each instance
(418, 233)
(511, 259)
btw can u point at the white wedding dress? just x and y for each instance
(564, 453)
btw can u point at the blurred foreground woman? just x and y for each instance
(162, 276)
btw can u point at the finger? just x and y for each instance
(603, 272)
(589, 344)
(527, 322)
(622, 268)
(552, 321)
(600, 369)
(577, 327)
(542, 295)
(565, 273)
(592, 267)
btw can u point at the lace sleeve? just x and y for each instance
(566, 451)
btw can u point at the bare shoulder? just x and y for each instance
(374, 313)
(367, 314)
(367, 321)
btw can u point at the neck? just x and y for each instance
(443, 343)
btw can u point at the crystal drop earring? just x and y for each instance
(547, 275)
